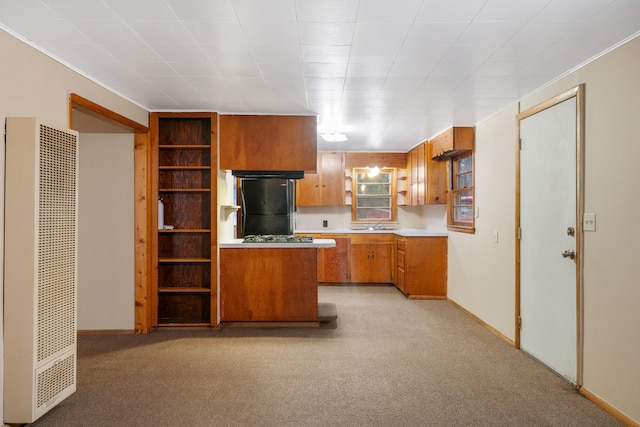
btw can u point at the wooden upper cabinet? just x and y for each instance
(452, 141)
(436, 182)
(326, 187)
(332, 179)
(422, 173)
(308, 191)
(417, 172)
(427, 177)
(263, 142)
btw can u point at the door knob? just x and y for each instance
(568, 254)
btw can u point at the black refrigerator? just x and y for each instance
(267, 206)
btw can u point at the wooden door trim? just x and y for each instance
(142, 211)
(579, 93)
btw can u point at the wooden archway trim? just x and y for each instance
(142, 208)
(110, 114)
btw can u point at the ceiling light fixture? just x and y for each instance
(334, 137)
(373, 171)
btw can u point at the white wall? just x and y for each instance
(339, 217)
(106, 279)
(481, 273)
(34, 85)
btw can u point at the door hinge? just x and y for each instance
(519, 233)
(520, 144)
(519, 323)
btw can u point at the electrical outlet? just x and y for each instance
(589, 222)
(325, 223)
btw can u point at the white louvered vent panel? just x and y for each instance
(54, 379)
(40, 268)
(56, 325)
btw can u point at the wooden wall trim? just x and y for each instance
(142, 208)
(380, 159)
(482, 322)
(96, 108)
(142, 215)
(624, 419)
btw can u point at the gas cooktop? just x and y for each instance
(277, 238)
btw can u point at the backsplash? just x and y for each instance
(339, 217)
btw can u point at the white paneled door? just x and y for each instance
(549, 243)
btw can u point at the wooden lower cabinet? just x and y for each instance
(422, 267)
(357, 258)
(268, 284)
(333, 263)
(372, 258)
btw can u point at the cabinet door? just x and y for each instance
(332, 178)
(453, 140)
(380, 260)
(265, 142)
(436, 180)
(413, 176)
(308, 190)
(426, 267)
(360, 263)
(421, 174)
(333, 263)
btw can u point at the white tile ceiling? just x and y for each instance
(388, 73)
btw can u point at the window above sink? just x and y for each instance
(374, 197)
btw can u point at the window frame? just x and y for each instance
(452, 224)
(393, 195)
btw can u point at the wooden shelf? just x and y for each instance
(183, 260)
(183, 146)
(184, 167)
(184, 290)
(184, 190)
(186, 230)
(192, 324)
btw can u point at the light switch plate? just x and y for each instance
(589, 222)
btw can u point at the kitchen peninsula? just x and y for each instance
(270, 282)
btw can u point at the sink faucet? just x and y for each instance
(378, 226)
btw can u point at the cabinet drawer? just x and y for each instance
(372, 238)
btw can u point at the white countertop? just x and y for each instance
(404, 232)
(317, 243)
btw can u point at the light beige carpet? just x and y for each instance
(387, 361)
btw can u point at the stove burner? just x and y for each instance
(277, 238)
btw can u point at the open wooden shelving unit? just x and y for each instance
(184, 164)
